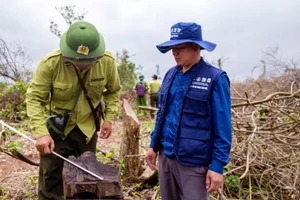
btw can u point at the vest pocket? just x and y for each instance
(193, 143)
(196, 111)
(196, 103)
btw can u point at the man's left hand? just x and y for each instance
(105, 130)
(213, 181)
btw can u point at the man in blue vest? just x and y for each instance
(192, 134)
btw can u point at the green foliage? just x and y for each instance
(233, 182)
(290, 119)
(2, 86)
(4, 193)
(148, 125)
(138, 185)
(155, 187)
(12, 102)
(101, 158)
(29, 194)
(127, 71)
(110, 154)
(33, 180)
(121, 166)
(15, 146)
(20, 86)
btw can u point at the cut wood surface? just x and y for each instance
(80, 184)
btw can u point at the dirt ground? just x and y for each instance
(18, 179)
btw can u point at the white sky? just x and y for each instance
(242, 29)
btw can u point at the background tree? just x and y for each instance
(68, 13)
(15, 64)
(158, 72)
(128, 70)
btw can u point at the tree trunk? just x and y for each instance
(129, 148)
(78, 184)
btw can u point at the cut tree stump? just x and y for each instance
(129, 148)
(78, 184)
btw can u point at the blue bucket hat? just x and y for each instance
(183, 32)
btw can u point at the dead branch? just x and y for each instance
(17, 155)
(266, 142)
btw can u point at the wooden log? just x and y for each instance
(130, 144)
(78, 184)
(148, 108)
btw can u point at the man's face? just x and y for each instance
(185, 53)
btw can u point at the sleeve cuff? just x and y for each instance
(152, 144)
(109, 117)
(217, 166)
(40, 132)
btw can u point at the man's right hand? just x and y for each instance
(151, 159)
(45, 144)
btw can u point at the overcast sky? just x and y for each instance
(242, 29)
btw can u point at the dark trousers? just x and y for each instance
(50, 171)
(154, 97)
(154, 100)
(178, 182)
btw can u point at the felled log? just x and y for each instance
(130, 144)
(148, 108)
(78, 184)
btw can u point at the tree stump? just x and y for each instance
(78, 184)
(129, 148)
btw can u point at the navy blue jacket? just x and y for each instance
(200, 140)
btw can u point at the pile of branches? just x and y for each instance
(265, 156)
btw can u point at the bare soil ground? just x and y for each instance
(18, 179)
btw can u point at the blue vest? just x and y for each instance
(194, 138)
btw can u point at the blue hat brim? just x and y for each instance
(167, 46)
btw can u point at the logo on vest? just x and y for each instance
(201, 83)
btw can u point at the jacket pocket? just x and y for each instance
(62, 91)
(193, 143)
(95, 88)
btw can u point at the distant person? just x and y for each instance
(74, 127)
(154, 87)
(141, 88)
(193, 125)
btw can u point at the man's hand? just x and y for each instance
(151, 159)
(105, 130)
(213, 181)
(45, 144)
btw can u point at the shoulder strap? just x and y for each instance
(96, 117)
(77, 97)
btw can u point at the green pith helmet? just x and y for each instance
(82, 43)
(141, 77)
